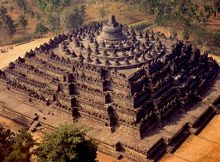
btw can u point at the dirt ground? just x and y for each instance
(217, 58)
(8, 124)
(18, 50)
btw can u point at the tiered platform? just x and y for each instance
(139, 93)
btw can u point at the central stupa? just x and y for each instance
(136, 92)
(112, 32)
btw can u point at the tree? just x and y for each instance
(21, 146)
(22, 5)
(150, 6)
(54, 22)
(82, 10)
(216, 6)
(65, 3)
(15, 147)
(205, 14)
(173, 34)
(7, 26)
(42, 4)
(41, 29)
(186, 34)
(6, 141)
(208, 10)
(72, 17)
(102, 12)
(22, 21)
(50, 6)
(67, 143)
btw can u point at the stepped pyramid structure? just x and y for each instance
(136, 91)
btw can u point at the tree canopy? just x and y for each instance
(7, 26)
(15, 147)
(53, 5)
(216, 6)
(22, 4)
(22, 21)
(41, 29)
(23, 141)
(67, 143)
(72, 17)
(102, 12)
(54, 22)
(181, 9)
(6, 141)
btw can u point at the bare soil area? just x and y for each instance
(18, 50)
(8, 124)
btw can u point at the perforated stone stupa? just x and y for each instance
(112, 32)
(132, 89)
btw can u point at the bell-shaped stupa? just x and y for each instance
(111, 32)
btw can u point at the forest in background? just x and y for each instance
(194, 20)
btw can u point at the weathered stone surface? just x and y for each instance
(126, 85)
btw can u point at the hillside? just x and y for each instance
(214, 24)
(126, 13)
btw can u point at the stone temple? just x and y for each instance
(138, 92)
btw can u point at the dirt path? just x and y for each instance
(19, 50)
(217, 58)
